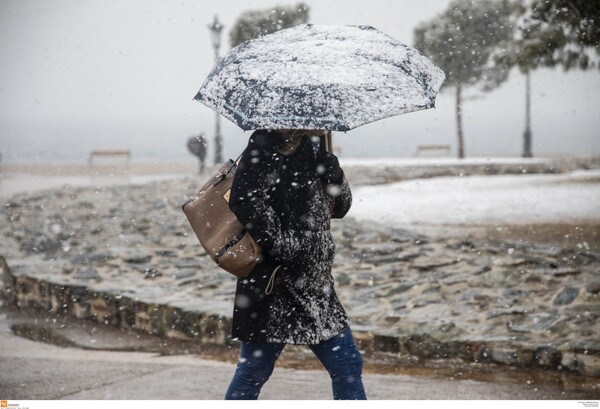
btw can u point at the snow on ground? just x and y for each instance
(572, 198)
(15, 183)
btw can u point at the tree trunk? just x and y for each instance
(527, 134)
(459, 130)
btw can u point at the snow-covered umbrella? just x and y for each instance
(320, 77)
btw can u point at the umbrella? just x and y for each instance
(320, 77)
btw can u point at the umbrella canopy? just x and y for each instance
(320, 77)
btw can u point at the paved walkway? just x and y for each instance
(33, 370)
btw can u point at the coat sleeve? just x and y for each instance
(342, 199)
(249, 200)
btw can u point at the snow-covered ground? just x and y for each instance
(440, 161)
(15, 183)
(571, 198)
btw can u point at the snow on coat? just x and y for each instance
(281, 201)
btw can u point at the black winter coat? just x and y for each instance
(281, 201)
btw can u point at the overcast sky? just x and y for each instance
(82, 74)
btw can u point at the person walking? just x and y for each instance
(197, 147)
(285, 191)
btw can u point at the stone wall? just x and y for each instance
(211, 329)
(31, 293)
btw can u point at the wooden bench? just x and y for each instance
(445, 149)
(109, 153)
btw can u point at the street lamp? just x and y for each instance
(215, 32)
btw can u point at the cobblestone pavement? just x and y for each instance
(126, 256)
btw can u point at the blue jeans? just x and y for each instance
(339, 355)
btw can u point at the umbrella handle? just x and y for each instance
(327, 142)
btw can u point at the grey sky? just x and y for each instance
(86, 74)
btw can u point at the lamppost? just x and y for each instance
(215, 32)
(527, 134)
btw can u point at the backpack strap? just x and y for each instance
(234, 163)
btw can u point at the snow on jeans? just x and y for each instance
(339, 355)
